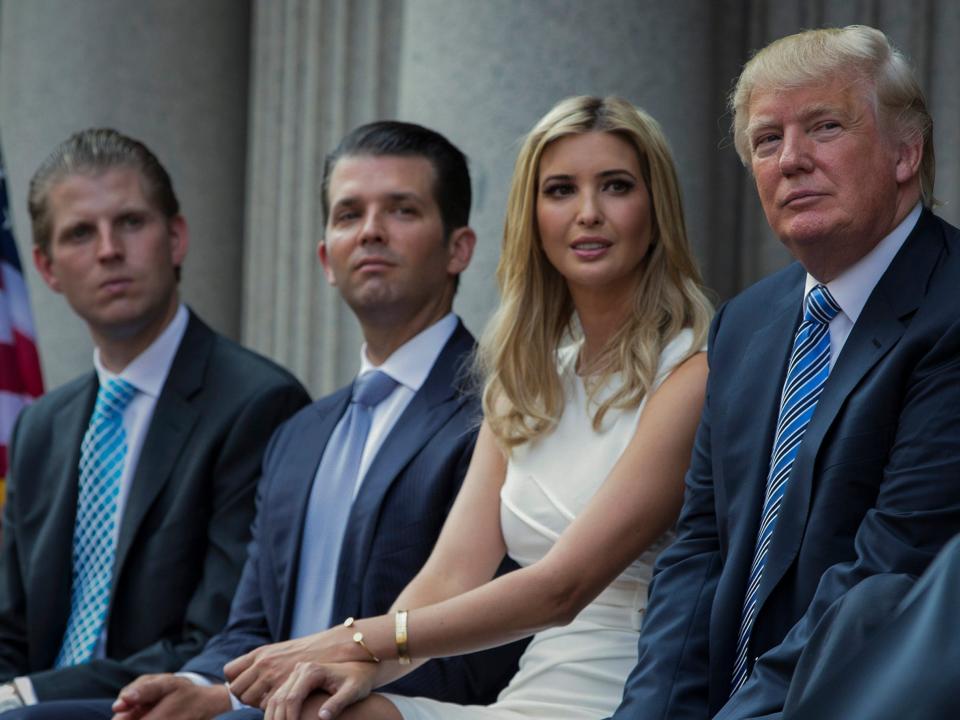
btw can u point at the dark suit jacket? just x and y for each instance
(875, 487)
(888, 650)
(394, 522)
(184, 527)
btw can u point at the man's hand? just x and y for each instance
(155, 697)
(343, 685)
(254, 677)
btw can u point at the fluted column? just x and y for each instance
(172, 73)
(320, 67)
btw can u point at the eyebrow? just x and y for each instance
(602, 174)
(392, 197)
(806, 114)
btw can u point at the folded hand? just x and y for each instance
(346, 683)
(255, 676)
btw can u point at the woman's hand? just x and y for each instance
(346, 683)
(255, 676)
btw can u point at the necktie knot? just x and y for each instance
(820, 306)
(113, 398)
(372, 388)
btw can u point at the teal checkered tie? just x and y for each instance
(102, 455)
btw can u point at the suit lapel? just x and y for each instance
(754, 405)
(881, 324)
(173, 419)
(69, 426)
(439, 398)
(292, 499)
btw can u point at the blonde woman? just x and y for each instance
(594, 385)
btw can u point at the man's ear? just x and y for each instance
(44, 265)
(460, 249)
(909, 156)
(179, 239)
(325, 261)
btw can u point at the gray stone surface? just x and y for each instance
(172, 73)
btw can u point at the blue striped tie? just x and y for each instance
(806, 375)
(102, 455)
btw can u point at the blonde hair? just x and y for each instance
(857, 52)
(523, 395)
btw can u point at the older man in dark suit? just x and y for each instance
(131, 488)
(831, 433)
(340, 532)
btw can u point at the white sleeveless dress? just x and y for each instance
(578, 670)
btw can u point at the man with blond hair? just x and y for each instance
(830, 437)
(131, 488)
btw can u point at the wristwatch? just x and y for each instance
(9, 697)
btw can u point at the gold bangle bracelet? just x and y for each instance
(358, 639)
(403, 652)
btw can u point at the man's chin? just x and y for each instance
(805, 231)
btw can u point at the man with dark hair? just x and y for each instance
(131, 488)
(357, 486)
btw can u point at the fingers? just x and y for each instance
(344, 697)
(257, 692)
(235, 667)
(286, 702)
(145, 690)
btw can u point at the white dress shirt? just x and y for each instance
(853, 287)
(147, 373)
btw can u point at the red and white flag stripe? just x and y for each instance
(20, 379)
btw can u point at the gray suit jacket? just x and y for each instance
(183, 531)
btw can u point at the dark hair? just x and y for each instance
(91, 151)
(451, 188)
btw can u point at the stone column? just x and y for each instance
(319, 68)
(172, 73)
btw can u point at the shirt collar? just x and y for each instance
(410, 364)
(147, 372)
(852, 288)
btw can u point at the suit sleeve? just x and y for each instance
(13, 624)
(234, 480)
(476, 678)
(670, 680)
(247, 627)
(917, 511)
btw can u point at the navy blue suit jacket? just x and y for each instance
(888, 650)
(394, 522)
(875, 487)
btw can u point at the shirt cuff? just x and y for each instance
(25, 688)
(198, 679)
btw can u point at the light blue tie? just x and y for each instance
(102, 455)
(806, 375)
(329, 506)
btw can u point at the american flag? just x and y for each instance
(20, 380)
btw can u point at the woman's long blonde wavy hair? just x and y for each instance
(523, 395)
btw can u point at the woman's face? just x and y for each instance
(593, 213)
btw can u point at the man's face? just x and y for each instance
(112, 254)
(832, 183)
(384, 247)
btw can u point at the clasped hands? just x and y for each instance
(279, 677)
